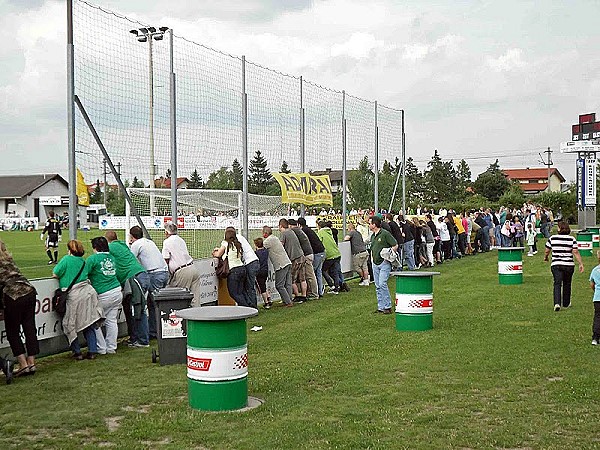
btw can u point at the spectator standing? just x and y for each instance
(281, 265)
(563, 247)
(150, 257)
(381, 239)
(102, 273)
(332, 269)
(292, 247)
(180, 262)
(408, 246)
(231, 248)
(54, 231)
(318, 253)
(311, 280)
(19, 299)
(595, 284)
(263, 271)
(136, 283)
(360, 256)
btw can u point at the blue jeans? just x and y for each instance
(408, 250)
(90, 336)
(251, 271)
(236, 285)
(156, 281)
(486, 238)
(381, 273)
(318, 259)
(139, 287)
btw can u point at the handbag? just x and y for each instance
(59, 299)
(222, 269)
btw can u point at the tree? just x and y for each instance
(361, 184)
(513, 197)
(237, 173)
(137, 183)
(439, 180)
(284, 168)
(414, 181)
(195, 181)
(97, 196)
(463, 178)
(385, 185)
(259, 174)
(492, 183)
(115, 202)
(220, 179)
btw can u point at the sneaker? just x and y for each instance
(334, 292)
(299, 299)
(387, 311)
(529, 254)
(594, 341)
(50, 263)
(556, 307)
(364, 283)
(137, 344)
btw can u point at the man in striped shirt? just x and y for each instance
(563, 247)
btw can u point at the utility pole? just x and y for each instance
(547, 162)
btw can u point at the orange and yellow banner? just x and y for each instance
(83, 196)
(304, 188)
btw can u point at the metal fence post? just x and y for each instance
(71, 123)
(403, 168)
(302, 143)
(376, 171)
(173, 130)
(344, 164)
(244, 212)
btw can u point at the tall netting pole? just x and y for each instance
(244, 213)
(173, 128)
(403, 168)
(376, 168)
(344, 164)
(302, 147)
(71, 123)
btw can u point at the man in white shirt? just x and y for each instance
(150, 257)
(181, 264)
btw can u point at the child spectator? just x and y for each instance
(263, 271)
(530, 237)
(595, 284)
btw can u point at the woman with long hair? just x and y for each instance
(83, 311)
(563, 247)
(19, 299)
(231, 248)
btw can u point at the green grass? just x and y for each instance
(500, 369)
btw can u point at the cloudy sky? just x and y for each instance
(478, 80)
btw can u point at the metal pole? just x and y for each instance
(244, 212)
(376, 163)
(71, 124)
(344, 154)
(113, 170)
(104, 172)
(173, 129)
(151, 123)
(302, 142)
(403, 168)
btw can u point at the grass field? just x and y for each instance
(500, 369)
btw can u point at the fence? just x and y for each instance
(122, 75)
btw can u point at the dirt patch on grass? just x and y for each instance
(106, 444)
(143, 409)
(153, 444)
(113, 423)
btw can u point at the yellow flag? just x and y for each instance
(83, 196)
(304, 188)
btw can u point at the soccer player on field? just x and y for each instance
(54, 236)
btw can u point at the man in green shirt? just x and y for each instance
(136, 283)
(381, 239)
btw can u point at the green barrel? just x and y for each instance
(595, 236)
(217, 356)
(414, 300)
(584, 243)
(510, 265)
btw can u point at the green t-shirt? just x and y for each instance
(383, 239)
(67, 268)
(127, 264)
(102, 272)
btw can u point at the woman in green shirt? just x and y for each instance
(102, 272)
(83, 312)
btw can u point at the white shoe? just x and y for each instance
(594, 341)
(556, 307)
(529, 254)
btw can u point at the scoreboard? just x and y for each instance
(586, 129)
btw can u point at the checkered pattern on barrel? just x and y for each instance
(421, 303)
(241, 362)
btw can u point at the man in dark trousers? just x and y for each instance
(54, 231)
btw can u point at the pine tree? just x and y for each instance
(196, 181)
(259, 174)
(220, 179)
(137, 183)
(238, 175)
(97, 196)
(492, 183)
(284, 168)
(361, 184)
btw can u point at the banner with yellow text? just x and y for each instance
(304, 188)
(83, 196)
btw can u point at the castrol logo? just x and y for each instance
(201, 364)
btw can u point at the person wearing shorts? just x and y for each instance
(54, 231)
(360, 256)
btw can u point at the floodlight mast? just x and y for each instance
(150, 34)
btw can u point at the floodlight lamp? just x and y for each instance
(152, 29)
(158, 37)
(164, 29)
(144, 30)
(142, 38)
(134, 32)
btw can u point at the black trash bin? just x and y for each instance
(171, 334)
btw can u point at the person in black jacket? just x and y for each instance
(408, 245)
(318, 253)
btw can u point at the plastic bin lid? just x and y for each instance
(173, 293)
(217, 313)
(407, 273)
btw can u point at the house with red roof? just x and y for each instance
(537, 180)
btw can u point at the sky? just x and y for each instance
(478, 80)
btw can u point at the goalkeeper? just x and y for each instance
(54, 235)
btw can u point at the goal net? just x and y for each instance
(203, 214)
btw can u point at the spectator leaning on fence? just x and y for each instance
(180, 262)
(318, 253)
(309, 272)
(360, 256)
(281, 265)
(252, 265)
(292, 247)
